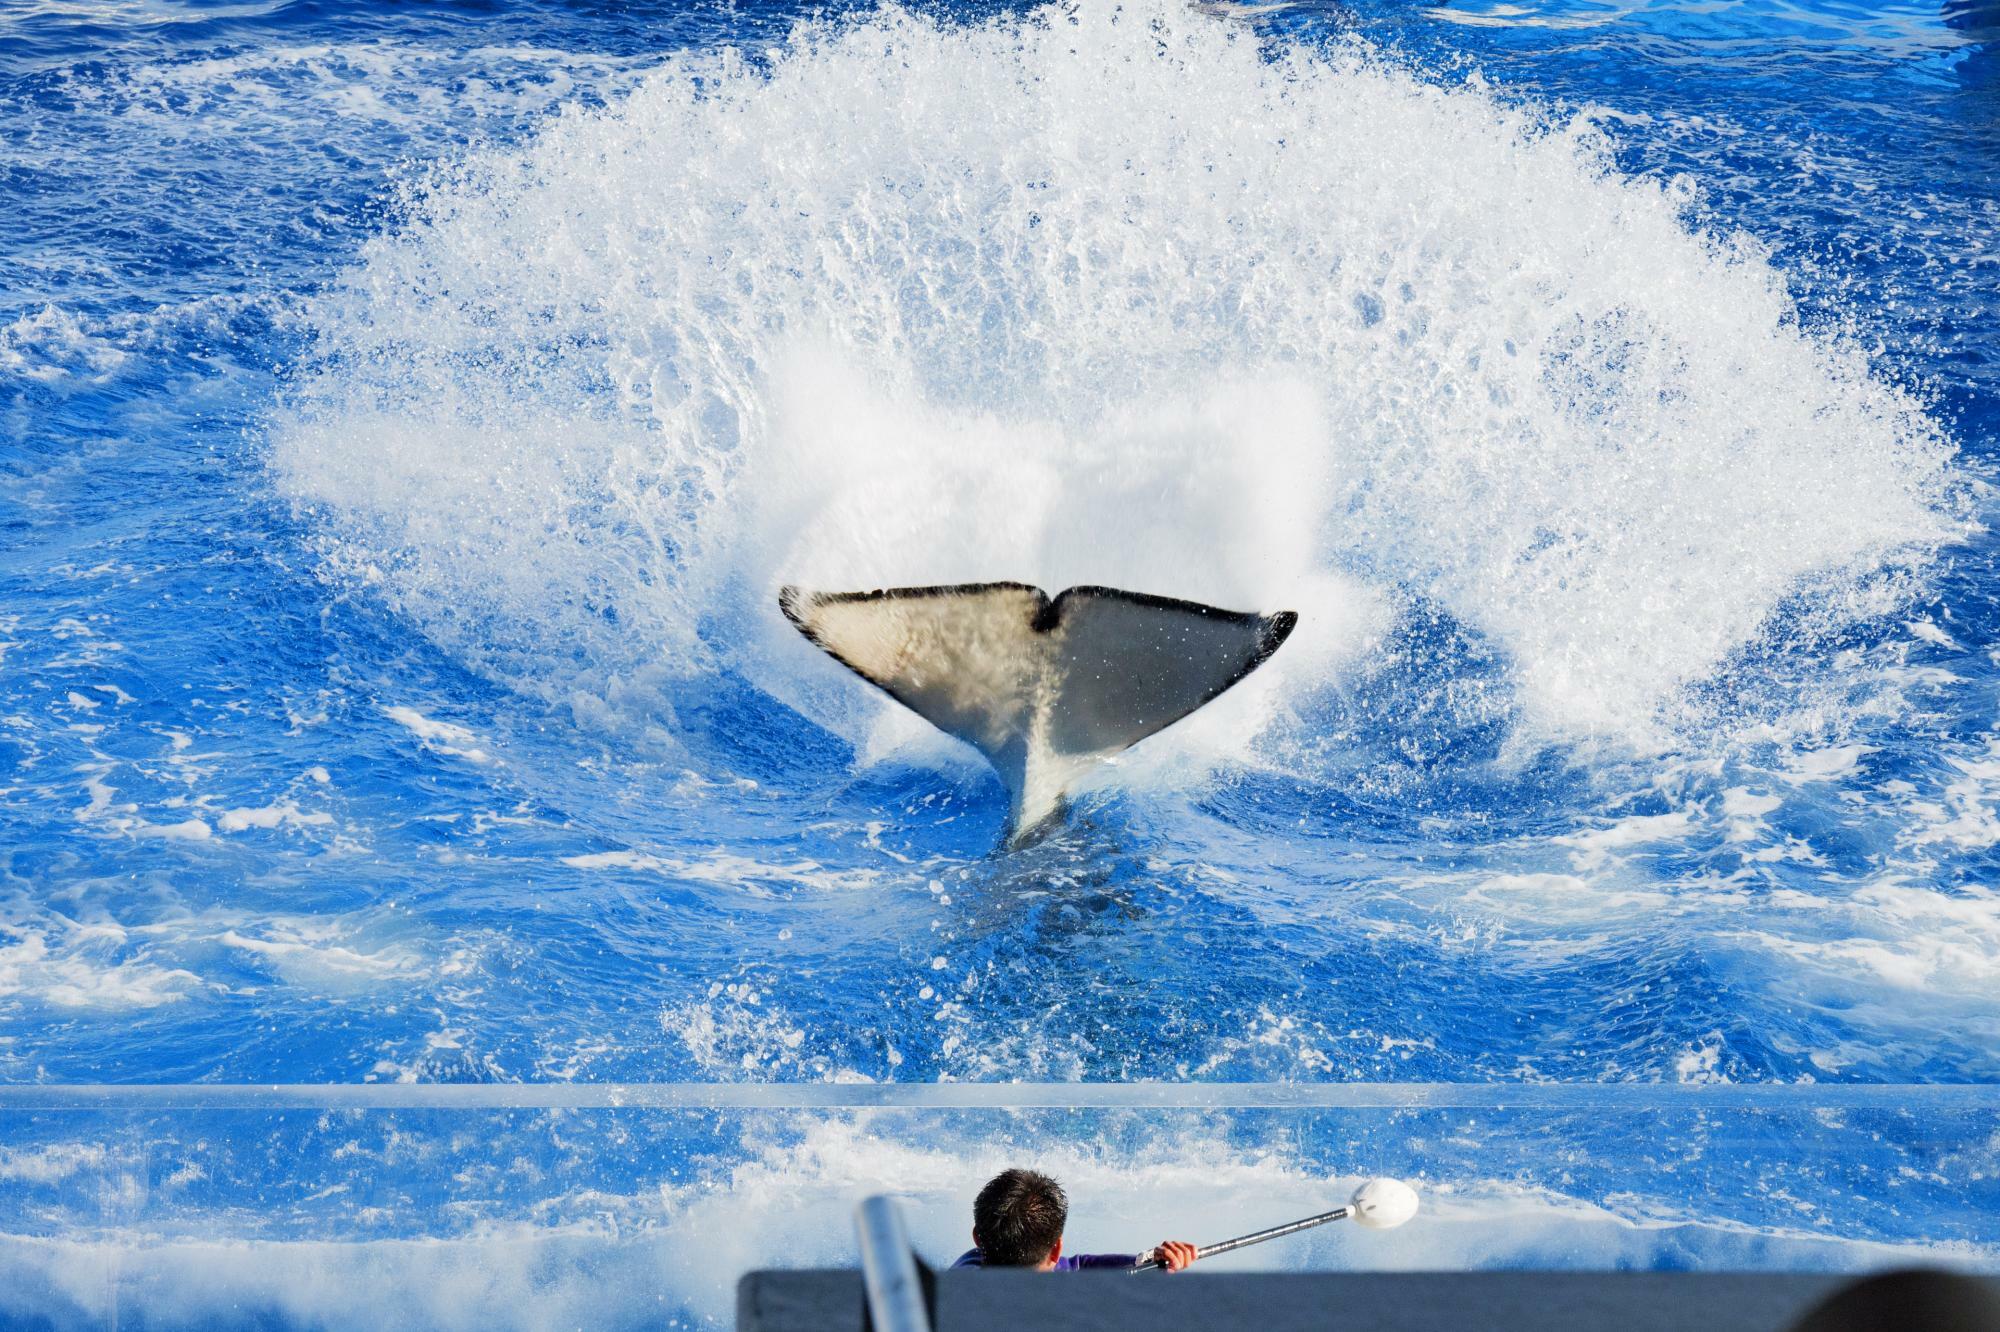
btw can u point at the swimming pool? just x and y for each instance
(410, 417)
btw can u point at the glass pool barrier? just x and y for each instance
(641, 1204)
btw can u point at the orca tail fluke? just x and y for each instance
(1043, 688)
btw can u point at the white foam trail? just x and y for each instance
(55, 961)
(1171, 311)
(1593, 847)
(51, 1164)
(316, 955)
(52, 345)
(1942, 944)
(444, 737)
(275, 815)
(677, 1252)
(720, 867)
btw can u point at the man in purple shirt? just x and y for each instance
(1018, 1219)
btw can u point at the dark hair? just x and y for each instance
(1018, 1218)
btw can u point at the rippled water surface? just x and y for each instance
(408, 416)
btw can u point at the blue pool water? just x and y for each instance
(408, 415)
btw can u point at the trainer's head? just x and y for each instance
(1017, 1220)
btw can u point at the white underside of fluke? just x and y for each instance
(1045, 689)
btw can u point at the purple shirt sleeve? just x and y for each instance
(1077, 1262)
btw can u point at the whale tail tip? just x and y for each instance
(1043, 687)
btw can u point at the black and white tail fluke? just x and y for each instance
(1044, 689)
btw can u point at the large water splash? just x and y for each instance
(1108, 294)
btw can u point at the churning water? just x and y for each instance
(409, 419)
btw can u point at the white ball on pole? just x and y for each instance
(1384, 1203)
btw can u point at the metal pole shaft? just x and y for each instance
(889, 1269)
(1258, 1237)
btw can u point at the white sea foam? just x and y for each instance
(736, 871)
(638, 860)
(675, 1253)
(323, 954)
(51, 345)
(1964, 814)
(1942, 943)
(51, 1164)
(374, 83)
(1168, 312)
(734, 1032)
(1561, 900)
(105, 810)
(185, 830)
(1745, 810)
(1594, 846)
(1824, 765)
(61, 963)
(444, 737)
(275, 815)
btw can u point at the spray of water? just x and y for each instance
(1115, 294)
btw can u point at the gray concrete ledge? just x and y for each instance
(1295, 1302)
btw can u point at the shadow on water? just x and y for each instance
(1979, 22)
(1069, 880)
